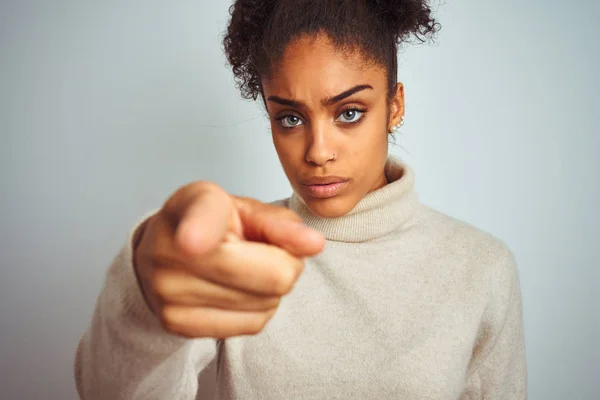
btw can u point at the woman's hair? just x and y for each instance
(260, 30)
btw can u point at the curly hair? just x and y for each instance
(260, 30)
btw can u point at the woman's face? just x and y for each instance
(330, 119)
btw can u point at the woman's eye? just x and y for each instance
(290, 121)
(350, 116)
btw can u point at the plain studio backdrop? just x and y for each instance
(107, 107)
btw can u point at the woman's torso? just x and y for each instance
(392, 318)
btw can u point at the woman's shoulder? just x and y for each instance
(465, 241)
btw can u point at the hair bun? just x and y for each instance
(407, 18)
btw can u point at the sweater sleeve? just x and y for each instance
(498, 368)
(126, 354)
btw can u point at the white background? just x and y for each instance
(107, 107)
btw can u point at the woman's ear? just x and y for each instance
(397, 105)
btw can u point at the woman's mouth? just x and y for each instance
(325, 187)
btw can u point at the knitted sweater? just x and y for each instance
(403, 303)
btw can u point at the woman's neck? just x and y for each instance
(379, 213)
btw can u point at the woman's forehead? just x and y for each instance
(315, 62)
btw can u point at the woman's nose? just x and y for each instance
(320, 149)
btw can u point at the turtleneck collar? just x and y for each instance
(377, 214)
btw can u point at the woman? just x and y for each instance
(351, 288)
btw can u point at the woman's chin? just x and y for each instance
(333, 207)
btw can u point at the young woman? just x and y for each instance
(349, 289)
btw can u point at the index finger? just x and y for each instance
(201, 216)
(280, 227)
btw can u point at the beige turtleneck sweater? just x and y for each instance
(404, 303)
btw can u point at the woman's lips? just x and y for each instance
(325, 191)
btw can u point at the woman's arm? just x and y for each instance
(210, 265)
(126, 354)
(498, 369)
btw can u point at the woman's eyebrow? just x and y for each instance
(339, 97)
(326, 102)
(286, 102)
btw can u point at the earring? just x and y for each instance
(396, 127)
